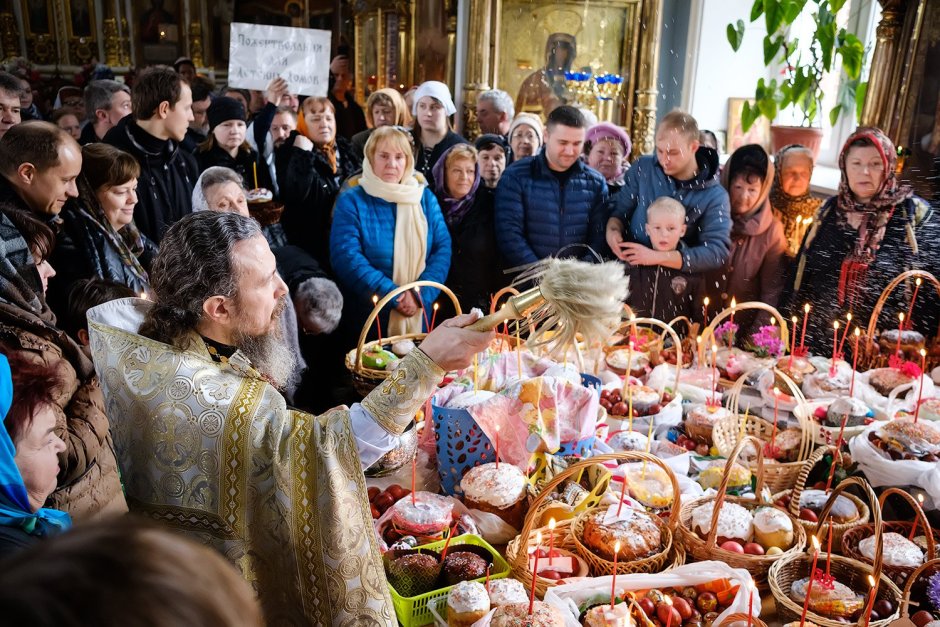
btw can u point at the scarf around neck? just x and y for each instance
(411, 235)
(454, 209)
(128, 241)
(328, 149)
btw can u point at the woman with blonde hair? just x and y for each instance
(385, 107)
(311, 165)
(388, 231)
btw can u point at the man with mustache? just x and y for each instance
(206, 442)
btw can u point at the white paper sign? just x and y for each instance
(259, 53)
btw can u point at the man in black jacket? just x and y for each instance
(162, 104)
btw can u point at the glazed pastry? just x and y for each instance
(467, 602)
(638, 534)
(607, 616)
(919, 438)
(463, 566)
(734, 522)
(886, 379)
(857, 411)
(517, 614)
(838, 601)
(911, 342)
(414, 573)
(507, 591)
(651, 487)
(704, 417)
(628, 441)
(787, 445)
(644, 399)
(772, 527)
(427, 517)
(617, 361)
(500, 491)
(711, 476)
(897, 550)
(843, 510)
(664, 449)
(796, 369)
(822, 384)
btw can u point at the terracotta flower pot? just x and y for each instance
(781, 136)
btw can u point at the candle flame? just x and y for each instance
(497, 428)
(551, 524)
(917, 282)
(698, 339)
(776, 391)
(632, 346)
(920, 498)
(706, 301)
(923, 353)
(806, 308)
(632, 317)
(871, 581)
(375, 299)
(857, 331)
(808, 221)
(436, 306)
(617, 546)
(793, 319)
(835, 325)
(815, 543)
(799, 219)
(538, 538)
(901, 316)
(714, 348)
(848, 317)
(734, 303)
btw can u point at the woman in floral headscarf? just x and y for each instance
(871, 231)
(790, 197)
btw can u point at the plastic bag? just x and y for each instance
(881, 471)
(903, 397)
(569, 596)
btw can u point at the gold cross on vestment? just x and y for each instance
(395, 382)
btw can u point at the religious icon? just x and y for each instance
(545, 89)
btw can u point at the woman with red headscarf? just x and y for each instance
(871, 231)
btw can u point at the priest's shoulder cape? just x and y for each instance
(215, 452)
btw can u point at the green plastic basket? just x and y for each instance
(414, 611)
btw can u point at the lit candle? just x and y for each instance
(835, 347)
(535, 571)
(497, 447)
(434, 316)
(910, 309)
(792, 344)
(809, 585)
(920, 382)
(551, 539)
(858, 334)
(626, 375)
(714, 374)
(378, 325)
(832, 469)
(705, 311)
(734, 305)
(254, 170)
(613, 575)
(920, 499)
(871, 601)
(845, 334)
(803, 334)
(897, 348)
(450, 536)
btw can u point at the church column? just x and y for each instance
(479, 33)
(644, 112)
(884, 82)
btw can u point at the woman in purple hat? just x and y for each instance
(606, 149)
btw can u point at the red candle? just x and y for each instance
(714, 374)
(734, 305)
(803, 335)
(792, 344)
(858, 333)
(424, 310)
(910, 309)
(920, 389)
(535, 572)
(705, 311)
(829, 541)
(845, 334)
(613, 575)
(623, 492)
(871, 601)
(773, 432)
(809, 585)
(497, 447)
(920, 498)
(434, 316)
(551, 539)
(450, 536)
(897, 348)
(835, 341)
(414, 472)
(668, 600)
(487, 584)
(832, 469)
(750, 603)
(378, 325)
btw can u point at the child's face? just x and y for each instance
(665, 230)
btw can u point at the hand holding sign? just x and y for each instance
(275, 90)
(258, 54)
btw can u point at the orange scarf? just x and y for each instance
(328, 149)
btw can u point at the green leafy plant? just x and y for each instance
(801, 85)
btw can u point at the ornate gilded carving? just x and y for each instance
(643, 131)
(478, 65)
(9, 35)
(112, 43)
(878, 109)
(195, 43)
(41, 48)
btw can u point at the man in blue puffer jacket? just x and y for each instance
(553, 200)
(684, 170)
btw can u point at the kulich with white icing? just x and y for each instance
(498, 487)
(607, 616)
(637, 532)
(517, 614)
(468, 596)
(507, 591)
(898, 550)
(734, 522)
(259, 194)
(773, 527)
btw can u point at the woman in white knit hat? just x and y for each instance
(433, 127)
(525, 136)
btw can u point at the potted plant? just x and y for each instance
(803, 71)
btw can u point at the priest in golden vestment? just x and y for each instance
(207, 445)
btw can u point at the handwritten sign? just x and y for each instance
(258, 54)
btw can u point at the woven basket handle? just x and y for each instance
(708, 335)
(712, 540)
(386, 299)
(801, 478)
(522, 556)
(911, 580)
(675, 339)
(876, 520)
(918, 513)
(910, 274)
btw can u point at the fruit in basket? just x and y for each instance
(884, 607)
(378, 359)
(774, 550)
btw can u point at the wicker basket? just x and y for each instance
(686, 343)
(838, 529)
(708, 334)
(517, 553)
(699, 549)
(931, 566)
(366, 379)
(741, 617)
(897, 574)
(847, 571)
(725, 435)
(870, 356)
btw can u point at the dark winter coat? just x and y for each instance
(167, 176)
(663, 293)
(88, 135)
(425, 159)
(84, 251)
(308, 189)
(244, 162)
(350, 118)
(814, 278)
(537, 216)
(707, 210)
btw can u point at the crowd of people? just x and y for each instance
(143, 190)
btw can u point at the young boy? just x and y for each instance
(657, 291)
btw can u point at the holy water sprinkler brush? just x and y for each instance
(571, 297)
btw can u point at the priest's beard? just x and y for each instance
(269, 352)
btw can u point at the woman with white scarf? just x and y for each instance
(388, 231)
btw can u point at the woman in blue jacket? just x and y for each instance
(388, 231)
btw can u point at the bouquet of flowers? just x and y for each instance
(726, 333)
(766, 342)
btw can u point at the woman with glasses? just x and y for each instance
(311, 165)
(388, 231)
(433, 129)
(871, 231)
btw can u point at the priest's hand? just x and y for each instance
(451, 346)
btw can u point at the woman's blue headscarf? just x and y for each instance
(14, 503)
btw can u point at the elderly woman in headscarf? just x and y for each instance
(526, 135)
(311, 165)
(388, 231)
(607, 148)
(385, 107)
(862, 238)
(757, 260)
(29, 450)
(98, 237)
(790, 196)
(467, 206)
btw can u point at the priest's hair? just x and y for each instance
(196, 261)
